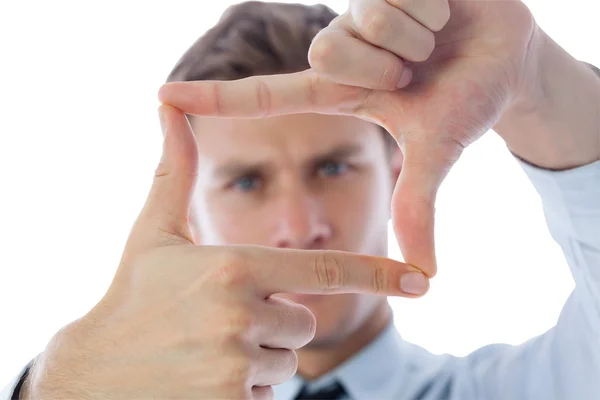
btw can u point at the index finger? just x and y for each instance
(264, 96)
(331, 272)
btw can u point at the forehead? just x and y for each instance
(290, 136)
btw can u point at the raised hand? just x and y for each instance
(436, 74)
(182, 321)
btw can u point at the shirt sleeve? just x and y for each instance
(13, 389)
(563, 363)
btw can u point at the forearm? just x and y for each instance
(555, 121)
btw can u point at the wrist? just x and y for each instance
(21, 390)
(30, 386)
(553, 121)
(24, 392)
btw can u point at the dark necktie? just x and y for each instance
(335, 391)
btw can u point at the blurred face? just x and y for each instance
(299, 181)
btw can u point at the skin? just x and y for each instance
(437, 75)
(479, 73)
(474, 72)
(181, 320)
(306, 182)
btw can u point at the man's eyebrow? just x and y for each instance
(337, 153)
(236, 169)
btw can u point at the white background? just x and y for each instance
(80, 140)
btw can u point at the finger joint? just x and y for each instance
(379, 280)
(374, 25)
(319, 53)
(263, 98)
(232, 271)
(312, 89)
(216, 89)
(329, 272)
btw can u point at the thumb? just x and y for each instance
(165, 216)
(426, 164)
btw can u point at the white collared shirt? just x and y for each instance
(564, 363)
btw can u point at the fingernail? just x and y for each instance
(413, 283)
(405, 78)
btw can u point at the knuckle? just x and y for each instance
(168, 235)
(263, 98)
(236, 325)
(320, 52)
(239, 370)
(217, 99)
(161, 170)
(373, 25)
(391, 75)
(312, 89)
(329, 272)
(380, 280)
(232, 271)
(67, 340)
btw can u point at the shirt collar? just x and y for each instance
(374, 372)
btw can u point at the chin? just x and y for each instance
(338, 316)
(325, 342)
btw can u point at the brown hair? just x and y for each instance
(255, 38)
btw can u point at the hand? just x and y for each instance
(461, 79)
(182, 321)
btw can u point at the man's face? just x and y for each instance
(298, 181)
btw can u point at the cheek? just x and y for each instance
(359, 212)
(228, 222)
(362, 202)
(340, 315)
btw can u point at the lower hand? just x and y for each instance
(187, 321)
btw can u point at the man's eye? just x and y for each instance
(332, 168)
(247, 183)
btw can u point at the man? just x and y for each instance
(187, 321)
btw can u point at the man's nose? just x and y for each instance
(300, 222)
